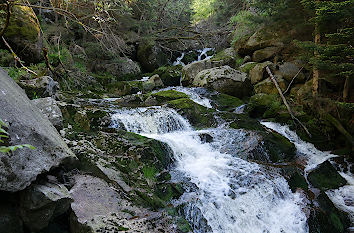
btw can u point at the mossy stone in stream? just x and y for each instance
(326, 177)
(122, 88)
(170, 75)
(226, 102)
(198, 115)
(164, 96)
(265, 106)
(326, 218)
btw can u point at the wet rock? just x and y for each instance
(206, 138)
(288, 70)
(225, 102)
(225, 80)
(48, 106)
(264, 54)
(267, 86)
(170, 75)
(325, 177)
(257, 74)
(27, 125)
(164, 96)
(264, 105)
(325, 217)
(198, 115)
(154, 82)
(40, 87)
(41, 203)
(151, 56)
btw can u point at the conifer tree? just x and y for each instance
(334, 37)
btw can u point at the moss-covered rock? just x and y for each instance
(23, 31)
(326, 218)
(227, 57)
(264, 105)
(226, 102)
(267, 86)
(164, 96)
(170, 75)
(122, 88)
(151, 56)
(198, 115)
(326, 177)
(247, 67)
(257, 73)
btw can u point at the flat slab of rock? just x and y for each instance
(27, 125)
(97, 207)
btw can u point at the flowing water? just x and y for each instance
(343, 197)
(224, 192)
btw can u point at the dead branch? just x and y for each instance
(287, 89)
(341, 129)
(285, 102)
(17, 59)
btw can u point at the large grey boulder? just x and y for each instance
(224, 79)
(48, 106)
(190, 71)
(289, 70)
(123, 66)
(154, 82)
(264, 54)
(27, 125)
(42, 202)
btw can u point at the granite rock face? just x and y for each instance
(27, 125)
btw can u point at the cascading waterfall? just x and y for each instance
(343, 197)
(224, 192)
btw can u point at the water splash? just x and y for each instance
(309, 151)
(230, 194)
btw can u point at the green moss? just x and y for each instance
(170, 75)
(246, 68)
(122, 88)
(198, 115)
(164, 96)
(149, 172)
(326, 177)
(265, 106)
(226, 102)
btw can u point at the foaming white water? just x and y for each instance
(314, 157)
(231, 194)
(150, 120)
(179, 60)
(203, 54)
(193, 93)
(342, 198)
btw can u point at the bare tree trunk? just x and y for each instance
(316, 72)
(346, 90)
